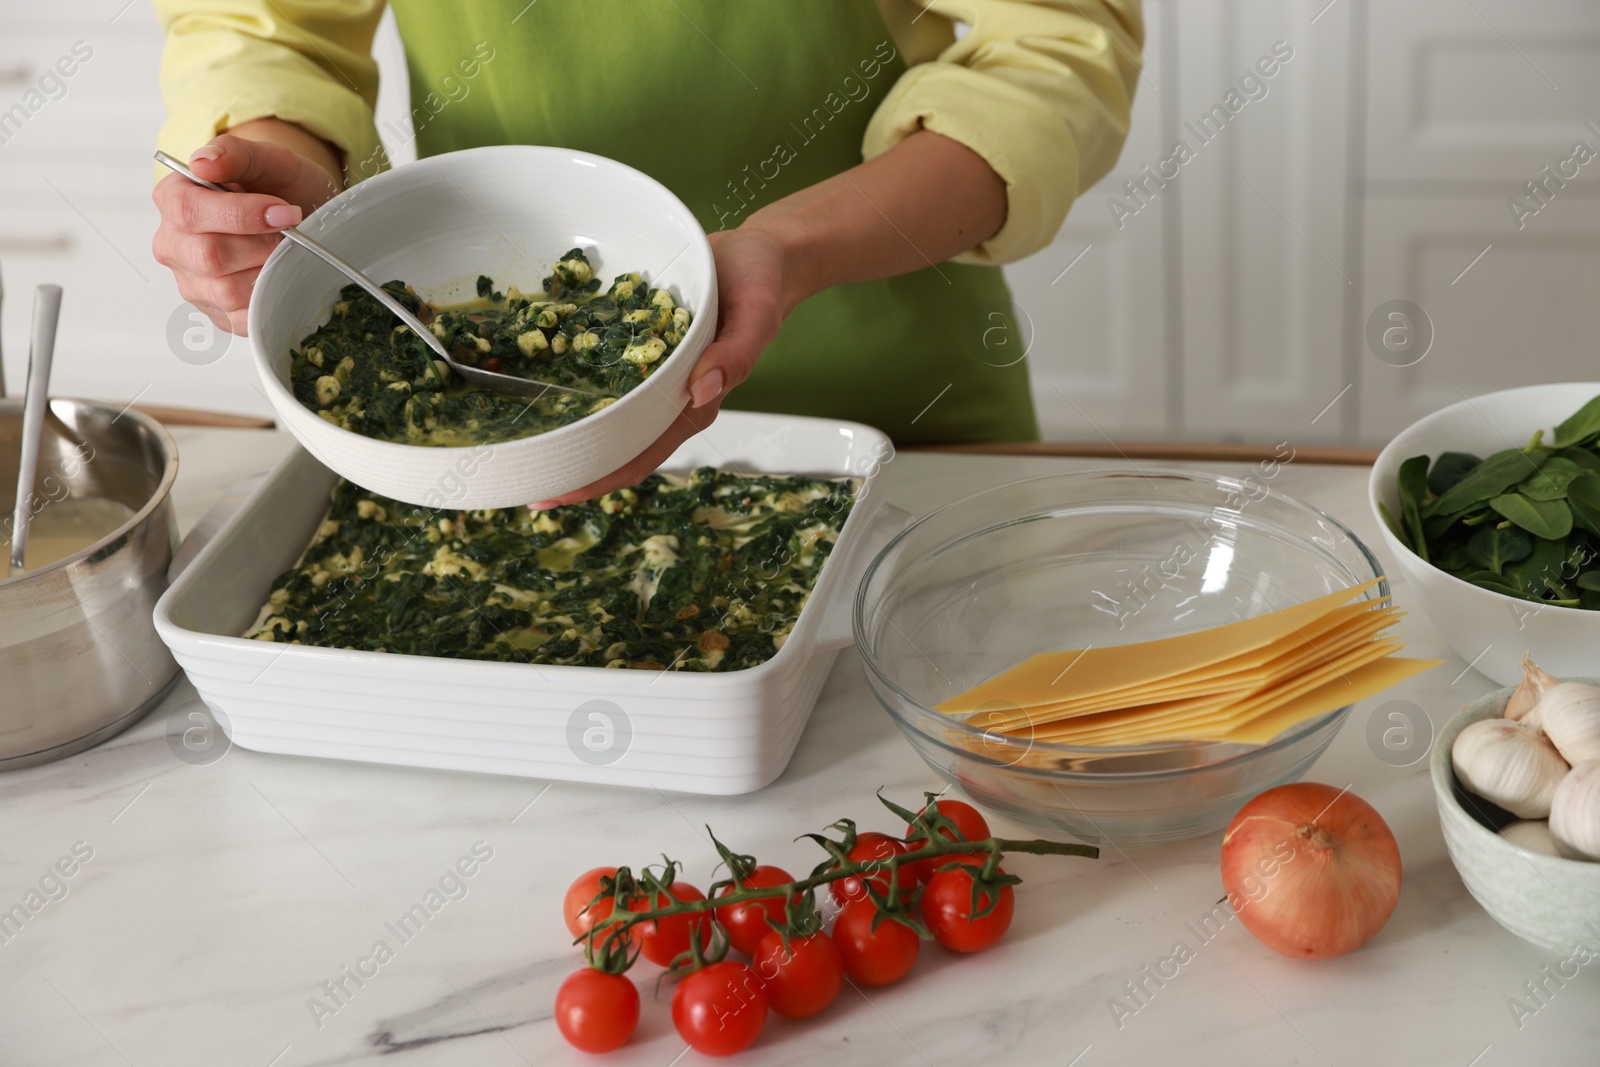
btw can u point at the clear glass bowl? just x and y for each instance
(1086, 559)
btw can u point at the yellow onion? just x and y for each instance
(1311, 871)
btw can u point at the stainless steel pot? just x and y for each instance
(79, 657)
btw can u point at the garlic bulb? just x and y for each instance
(1534, 684)
(1575, 812)
(1569, 714)
(1509, 763)
(1531, 835)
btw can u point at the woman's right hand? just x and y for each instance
(215, 243)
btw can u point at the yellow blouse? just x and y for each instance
(1041, 89)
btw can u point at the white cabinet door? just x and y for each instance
(1478, 90)
(75, 210)
(1505, 308)
(1263, 202)
(80, 228)
(1092, 307)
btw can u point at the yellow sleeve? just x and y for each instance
(1041, 89)
(304, 61)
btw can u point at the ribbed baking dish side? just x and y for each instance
(690, 732)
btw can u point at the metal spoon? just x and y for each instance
(46, 311)
(509, 384)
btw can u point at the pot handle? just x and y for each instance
(211, 522)
(835, 630)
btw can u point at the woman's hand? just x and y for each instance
(753, 268)
(924, 200)
(215, 243)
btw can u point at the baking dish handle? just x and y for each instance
(835, 630)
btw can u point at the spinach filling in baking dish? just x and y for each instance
(363, 371)
(704, 573)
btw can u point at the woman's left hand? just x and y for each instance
(751, 275)
(926, 199)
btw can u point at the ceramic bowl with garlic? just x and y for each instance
(1516, 776)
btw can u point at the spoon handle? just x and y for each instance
(46, 312)
(328, 256)
(504, 383)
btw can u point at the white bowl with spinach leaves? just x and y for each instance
(1490, 509)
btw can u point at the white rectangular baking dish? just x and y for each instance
(690, 732)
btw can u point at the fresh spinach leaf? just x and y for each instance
(1495, 584)
(1452, 558)
(1523, 522)
(1551, 481)
(1542, 518)
(1492, 547)
(1394, 527)
(1449, 469)
(1436, 526)
(1540, 572)
(1488, 479)
(1413, 487)
(1583, 499)
(1581, 427)
(1586, 458)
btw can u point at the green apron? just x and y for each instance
(732, 106)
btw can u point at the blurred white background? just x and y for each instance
(1380, 162)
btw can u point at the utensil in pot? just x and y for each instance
(79, 656)
(509, 384)
(46, 313)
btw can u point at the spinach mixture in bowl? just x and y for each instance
(365, 372)
(703, 573)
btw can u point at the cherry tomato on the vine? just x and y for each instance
(720, 1009)
(970, 824)
(595, 1011)
(874, 957)
(947, 909)
(747, 923)
(575, 907)
(972, 859)
(802, 979)
(661, 940)
(872, 848)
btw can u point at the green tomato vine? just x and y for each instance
(609, 946)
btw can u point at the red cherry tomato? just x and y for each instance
(874, 957)
(720, 1009)
(575, 907)
(970, 825)
(747, 923)
(947, 909)
(802, 979)
(871, 847)
(973, 859)
(660, 940)
(595, 1011)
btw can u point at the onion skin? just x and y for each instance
(1312, 871)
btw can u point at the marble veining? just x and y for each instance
(222, 896)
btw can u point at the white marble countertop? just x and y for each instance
(219, 898)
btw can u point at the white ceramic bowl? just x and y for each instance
(1489, 630)
(1549, 900)
(509, 211)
